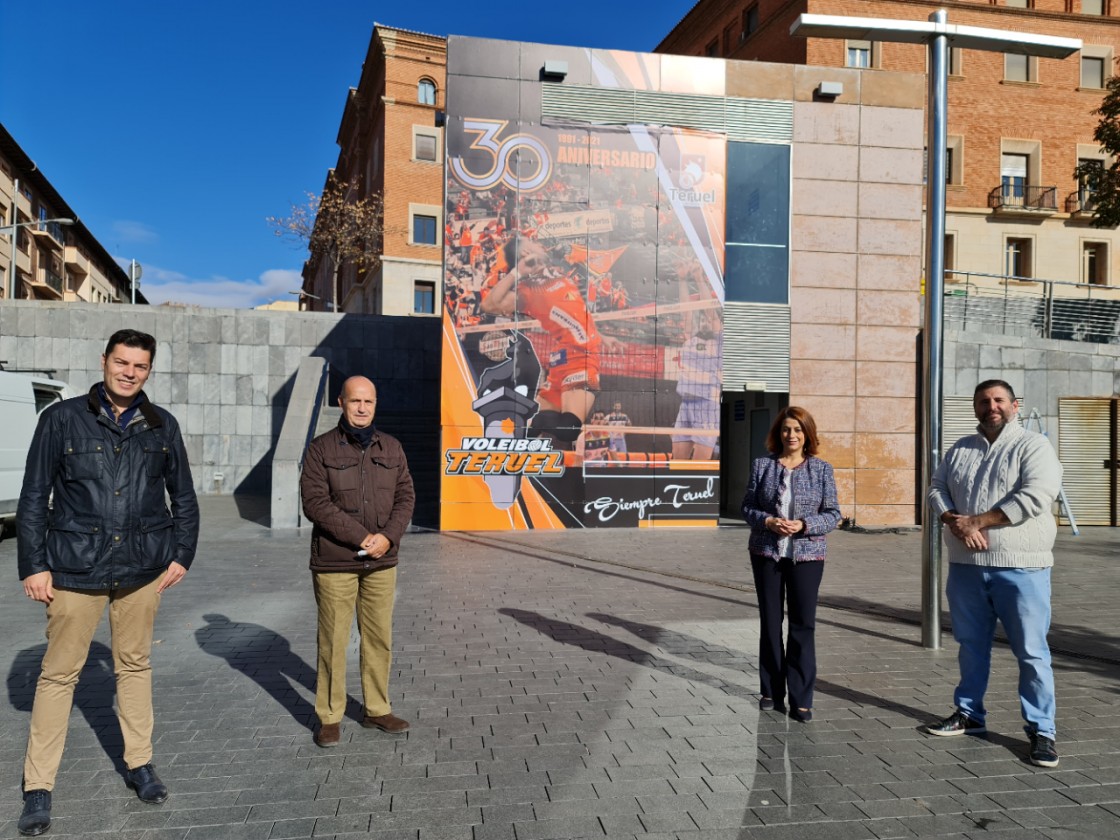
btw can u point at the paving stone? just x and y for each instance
(568, 829)
(641, 722)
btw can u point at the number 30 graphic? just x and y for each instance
(501, 151)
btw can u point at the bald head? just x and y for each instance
(358, 401)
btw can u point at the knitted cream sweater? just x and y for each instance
(1019, 474)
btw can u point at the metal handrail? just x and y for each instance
(53, 280)
(1024, 196)
(1081, 201)
(1035, 306)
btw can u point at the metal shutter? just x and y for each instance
(1084, 448)
(957, 420)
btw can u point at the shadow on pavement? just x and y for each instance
(681, 644)
(255, 509)
(93, 695)
(266, 658)
(591, 640)
(1073, 647)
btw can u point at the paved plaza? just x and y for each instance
(597, 684)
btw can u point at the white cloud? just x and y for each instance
(161, 285)
(133, 232)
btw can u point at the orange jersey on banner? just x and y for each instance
(562, 312)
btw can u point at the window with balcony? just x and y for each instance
(1094, 263)
(1020, 191)
(423, 297)
(1089, 170)
(1018, 258)
(426, 92)
(750, 22)
(1013, 176)
(1092, 72)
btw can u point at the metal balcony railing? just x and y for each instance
(1023, 197)
(55, 230)
(1080, 202)
(53, 280)
(1029, 306)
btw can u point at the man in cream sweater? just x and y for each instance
(994, 492)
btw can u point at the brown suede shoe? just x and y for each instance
(329, 735)
(386, 723)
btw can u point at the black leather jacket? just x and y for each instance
(107, 525)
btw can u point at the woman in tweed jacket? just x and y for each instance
(790, 506)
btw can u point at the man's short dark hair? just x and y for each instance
(132, 338)
(993, 383)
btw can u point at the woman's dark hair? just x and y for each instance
(132, 338)
(804, 419)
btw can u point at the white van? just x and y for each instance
(22, 397)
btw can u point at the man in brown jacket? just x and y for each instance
(357, 491)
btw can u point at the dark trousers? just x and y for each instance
(783, 583)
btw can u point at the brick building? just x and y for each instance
(389, 144)
(1017, 127)
(49, 260)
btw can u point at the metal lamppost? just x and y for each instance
(939, 36)
(301, 301)
(135, 272)
(10, 231)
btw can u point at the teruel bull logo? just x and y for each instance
(506, 403)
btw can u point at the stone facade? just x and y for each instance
(855, 304)
(226, 374)
(1041, 370)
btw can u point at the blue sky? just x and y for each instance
(173, 129)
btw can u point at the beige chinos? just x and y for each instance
(339, 595)
(72, 619)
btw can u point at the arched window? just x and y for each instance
(426, 92)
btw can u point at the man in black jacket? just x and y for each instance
(105, 538)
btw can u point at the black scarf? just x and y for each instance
(362, 437)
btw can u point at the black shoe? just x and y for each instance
(766, 704)
(801, 715)
(1043, 751)
(958, 723)
(147, 785)
(36, 816)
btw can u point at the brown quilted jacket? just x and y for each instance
(349, 492)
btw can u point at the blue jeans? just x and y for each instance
(1020, 599)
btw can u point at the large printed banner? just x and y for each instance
(582, 325)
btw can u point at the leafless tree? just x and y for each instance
(336, 228)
